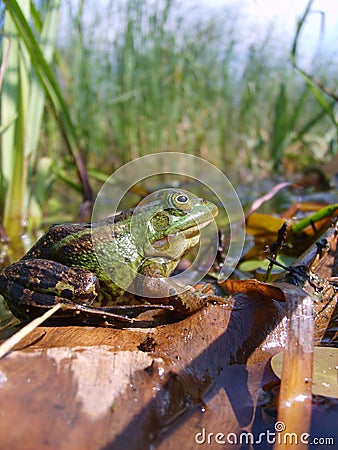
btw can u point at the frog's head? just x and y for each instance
(171, 223)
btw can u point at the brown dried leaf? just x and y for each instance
(85, 387)
(254, 289)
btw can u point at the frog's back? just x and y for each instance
(57, 238)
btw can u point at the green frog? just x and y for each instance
(86, 267)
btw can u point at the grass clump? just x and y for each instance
(129, 78)
(161, 78)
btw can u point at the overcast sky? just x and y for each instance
(284, 14)
(285, 11)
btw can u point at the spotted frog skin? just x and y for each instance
(63, 267)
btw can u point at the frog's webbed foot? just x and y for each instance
(185, 300)
(192, 299)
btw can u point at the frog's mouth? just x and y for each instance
(188, 233)
(195, 229)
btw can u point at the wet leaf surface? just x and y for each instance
(97, 387)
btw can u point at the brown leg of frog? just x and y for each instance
(30, 287)
(47, 277)
(36, 303)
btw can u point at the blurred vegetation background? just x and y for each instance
(86, 87)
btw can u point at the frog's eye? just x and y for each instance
(160, 221)
(180, 201)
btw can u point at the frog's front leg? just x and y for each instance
(186, 302)
(31, 285)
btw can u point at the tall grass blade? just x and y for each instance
(9, 99)
(316, 90)
(53, 92)
(37, 95)
(14, 98)
(281, 127)
(300, 24)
